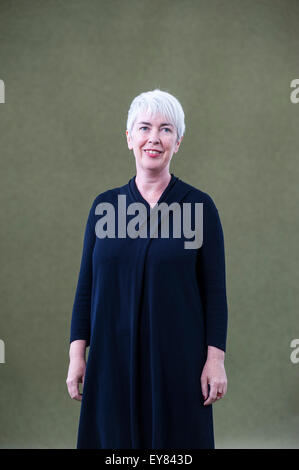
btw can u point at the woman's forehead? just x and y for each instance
(149, 118)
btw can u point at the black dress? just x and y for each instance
(148, 308)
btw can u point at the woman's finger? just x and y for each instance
(204, 387)
(212, 394)
(73, 389)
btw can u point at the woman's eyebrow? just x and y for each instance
(149, 124)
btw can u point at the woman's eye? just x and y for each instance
(164, 128)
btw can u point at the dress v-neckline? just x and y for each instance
(142, 199)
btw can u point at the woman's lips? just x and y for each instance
(152, 155)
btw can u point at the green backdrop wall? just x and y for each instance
(71, 69)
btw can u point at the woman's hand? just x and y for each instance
(213, 374)
(77, 367)
(76, 374)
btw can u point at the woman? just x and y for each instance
(153, 313)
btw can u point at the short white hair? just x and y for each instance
(157, 102)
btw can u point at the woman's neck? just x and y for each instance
(152, 186)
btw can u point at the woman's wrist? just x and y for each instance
(215, 353)
(78, 349)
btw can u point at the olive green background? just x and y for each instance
(71, 69)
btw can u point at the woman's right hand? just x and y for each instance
(76, 375)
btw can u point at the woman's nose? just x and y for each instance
(154, 137)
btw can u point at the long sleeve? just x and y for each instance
(212, 277)
(80, 322)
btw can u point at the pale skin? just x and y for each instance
(152, 177)
(77, 367)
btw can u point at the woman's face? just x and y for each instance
(153, 133)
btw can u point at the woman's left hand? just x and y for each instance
(213, 374)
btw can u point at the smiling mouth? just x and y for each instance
(151, 153)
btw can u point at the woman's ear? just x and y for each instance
(129, 140)
(177, 145)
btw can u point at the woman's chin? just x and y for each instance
(152, 163)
